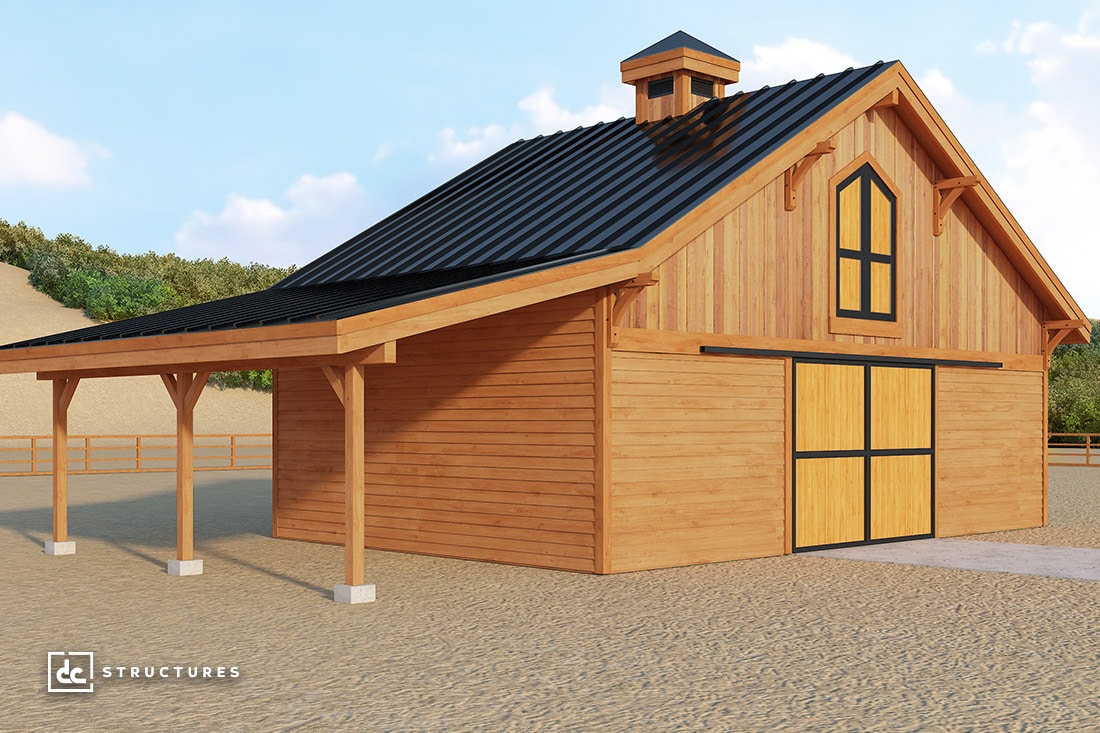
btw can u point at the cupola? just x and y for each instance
(676, 75)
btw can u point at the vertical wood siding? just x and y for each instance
(764, 271)
(479, 443)
(697, 460)
(989, 456)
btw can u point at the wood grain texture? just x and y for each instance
(829, 408)
(769, 268)
(828, 501)
(901, 500)
(989, 463)
(479, 443)
(901, 406)
(698, 465)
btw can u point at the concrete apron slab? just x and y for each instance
(996, 557)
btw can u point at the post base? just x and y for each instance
(185, 567)
(60, 548)
(343, 593)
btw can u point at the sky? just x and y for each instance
(271, 132)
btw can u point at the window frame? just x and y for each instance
(865, 324)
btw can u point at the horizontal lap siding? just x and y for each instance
(989, 458)
(479, 443)
(697, 460)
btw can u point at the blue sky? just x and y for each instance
(271, 131)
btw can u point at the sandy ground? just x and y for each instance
(790, 643)
(122, 405)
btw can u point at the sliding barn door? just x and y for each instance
(862, 453)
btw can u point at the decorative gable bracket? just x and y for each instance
(626, 292)
(1057, 331)
(947, 192)
(794, 175)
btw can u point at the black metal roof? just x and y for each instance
(679, 39)
(609, 187)
(535, 204)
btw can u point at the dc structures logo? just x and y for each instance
(70, 672)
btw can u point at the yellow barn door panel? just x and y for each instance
(863, 452)
(901, 499)
(830, 501)
(829, 409)
(901, 408)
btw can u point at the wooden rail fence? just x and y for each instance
(32, 455)
(1073, 449)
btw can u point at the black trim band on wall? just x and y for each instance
(849, 358)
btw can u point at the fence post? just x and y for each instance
(1088, 449)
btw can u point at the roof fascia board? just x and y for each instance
(383, 353)
(678, 59)
(156, 354)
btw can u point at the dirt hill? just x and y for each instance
(119, 405)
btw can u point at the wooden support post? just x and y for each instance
(354, 476)
(354, 588)
(185, 389)
(63, 390)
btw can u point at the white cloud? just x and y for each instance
(1049, 170)
(31, 155)
(547, 116)
(544, 116)
(319, 213)
(938, 87)
(795, 58)
(474, 145)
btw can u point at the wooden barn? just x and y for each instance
(731, 327)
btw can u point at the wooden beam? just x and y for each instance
(63, 390)
(1075, 323)
(945, 194)
(354, 476)
(688, 342)
(794, 175)
(890, 100)
(384, 353)
(335, 377)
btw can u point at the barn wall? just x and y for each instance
(763, 271)
(479, 443)
(697, 459)
(989, 455)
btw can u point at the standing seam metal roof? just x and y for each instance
(535, 204)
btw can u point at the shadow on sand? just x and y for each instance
(136, 513)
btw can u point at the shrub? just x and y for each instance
(110, 286)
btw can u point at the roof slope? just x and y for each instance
(679, 39)
(535, 204)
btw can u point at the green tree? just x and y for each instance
(111, 286)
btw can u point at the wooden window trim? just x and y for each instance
(876, 328)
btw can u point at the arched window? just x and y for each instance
(865, 251)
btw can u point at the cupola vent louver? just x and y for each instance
(660, 88)
(701, 87)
